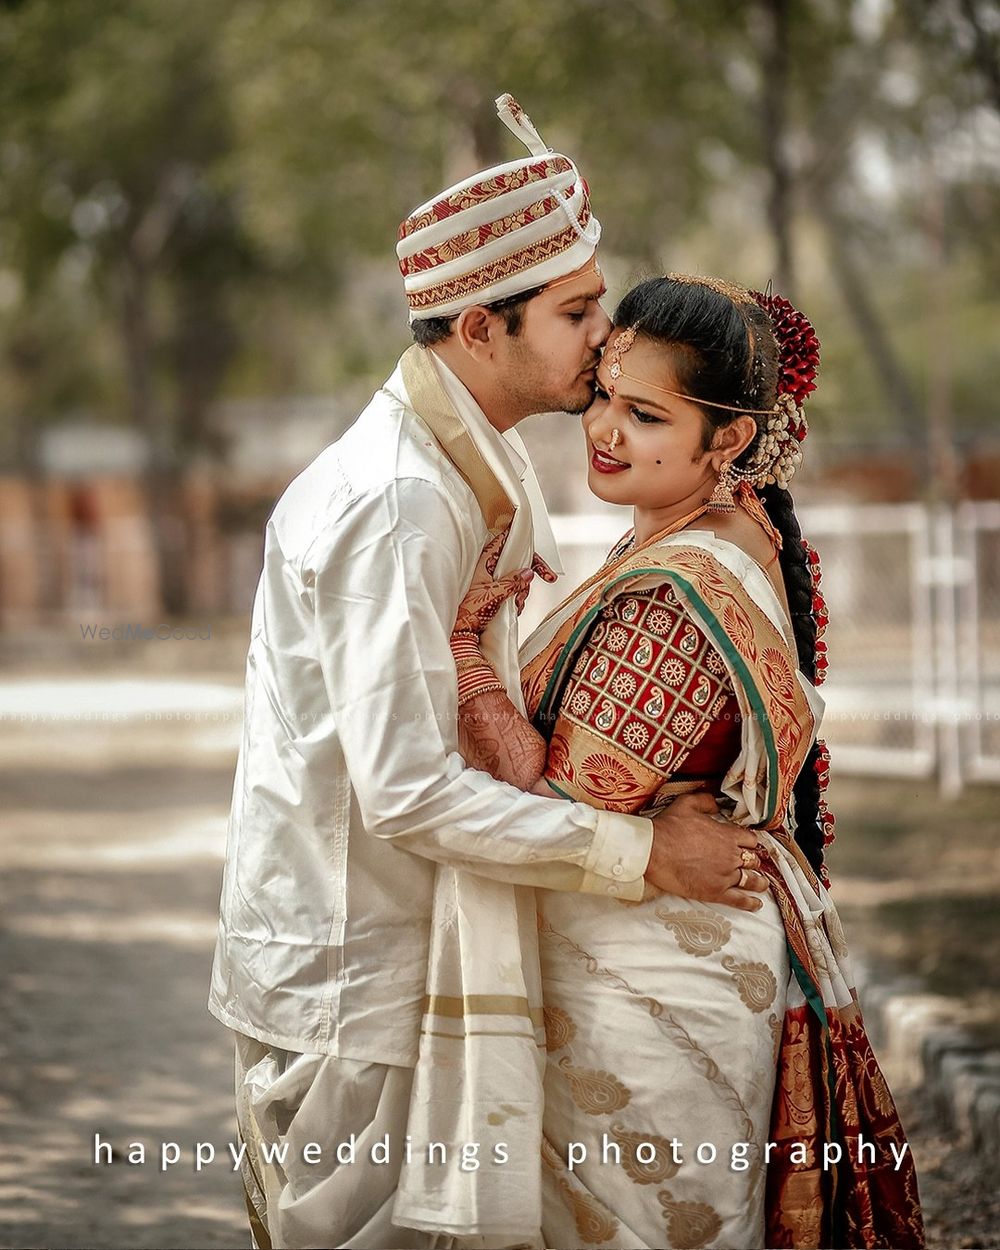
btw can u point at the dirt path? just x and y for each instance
(111, 848)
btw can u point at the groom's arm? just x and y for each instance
(384, 583)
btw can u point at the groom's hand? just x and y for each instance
(698, 856)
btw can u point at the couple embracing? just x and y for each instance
(535, 949)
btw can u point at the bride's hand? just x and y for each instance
(486, 594)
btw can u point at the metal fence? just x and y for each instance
(913, 590)
(977, 633)
(914, 636)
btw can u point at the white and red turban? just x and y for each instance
(503, 231)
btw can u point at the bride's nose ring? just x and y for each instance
(616, 438)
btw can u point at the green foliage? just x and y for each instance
(202, 198)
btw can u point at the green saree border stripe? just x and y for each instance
(725, 645)
(559, 790)
(808, 987)
(722, 640)
(567, 653)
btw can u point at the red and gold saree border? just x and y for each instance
(756, 654)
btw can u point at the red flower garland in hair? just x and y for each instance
(819, 611)
(827, 820)
(798, 364)
(798, 346)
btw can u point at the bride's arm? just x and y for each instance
(494, 737)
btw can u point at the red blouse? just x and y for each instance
(649, 686)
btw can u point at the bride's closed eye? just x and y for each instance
(646, 418)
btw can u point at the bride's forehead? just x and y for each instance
(646, 358)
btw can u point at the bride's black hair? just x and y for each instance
(728, 355)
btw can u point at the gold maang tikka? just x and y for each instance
(613, 356)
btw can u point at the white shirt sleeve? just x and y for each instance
(386, 584)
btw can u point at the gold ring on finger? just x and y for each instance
(744, 878)
(747, 857)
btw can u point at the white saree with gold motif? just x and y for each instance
(700, 1058)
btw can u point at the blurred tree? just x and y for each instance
(113, 122)
(968, 31)
(789, 112)
(216, 188)
(350, 114)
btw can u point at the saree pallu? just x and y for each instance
(709, 1081)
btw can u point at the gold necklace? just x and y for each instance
(615, 556)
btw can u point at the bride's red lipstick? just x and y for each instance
(604, 463)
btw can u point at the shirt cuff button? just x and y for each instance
(618, 870)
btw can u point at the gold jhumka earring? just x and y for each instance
(721, 499)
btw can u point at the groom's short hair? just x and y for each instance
(433, 330)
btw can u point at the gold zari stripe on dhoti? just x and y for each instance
(453, 1007)
(459, 1037)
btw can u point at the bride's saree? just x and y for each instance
(838, 1169)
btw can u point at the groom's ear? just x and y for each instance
(475, 330)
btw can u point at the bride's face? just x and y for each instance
(659, 460)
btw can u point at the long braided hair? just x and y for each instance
(726, 352)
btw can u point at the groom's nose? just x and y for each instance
(600, 328)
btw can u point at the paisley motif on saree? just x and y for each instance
(829, 1090)
(647, 682)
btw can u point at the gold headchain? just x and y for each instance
(738, 294)
(612, 358)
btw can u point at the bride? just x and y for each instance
(709, 1081)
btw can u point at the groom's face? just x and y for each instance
(549, 365)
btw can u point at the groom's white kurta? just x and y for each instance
(349, 784)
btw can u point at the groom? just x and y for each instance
(349, 788)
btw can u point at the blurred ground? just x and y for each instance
(111, 849)
(917, 883)
(115, 787)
